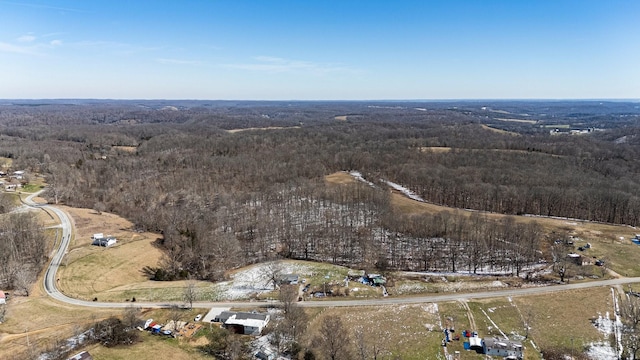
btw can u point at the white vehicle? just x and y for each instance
(198, 317)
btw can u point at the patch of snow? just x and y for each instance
(408, 193)
(601, 351)
(255, 280)
(618, 324)
(358, 176)
(431, 308)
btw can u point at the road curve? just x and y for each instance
(50, 282)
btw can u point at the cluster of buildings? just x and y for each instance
(491, 346)
(12, 181)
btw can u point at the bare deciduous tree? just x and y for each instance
(23, 279)
(190, 293)
(288, 296)
(333, 341)
(273, 273)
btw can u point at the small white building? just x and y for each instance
(101, 240)
(18, 175)
(3, 297)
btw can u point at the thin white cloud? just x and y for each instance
(26, 38)
(55, 42)
(111, 46)
(16, 49)
(49, 7)
(177, 61)
(278, 65)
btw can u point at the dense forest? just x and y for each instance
(222, 198)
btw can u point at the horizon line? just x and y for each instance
(323, 100)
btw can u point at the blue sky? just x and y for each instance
(320, 50)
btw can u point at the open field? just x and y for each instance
(499, 131)
(409, 332)
(152, 347)
(126, 149)
(558, 126)
(38, 320)
(435, 149)
(107, 273)
(522, 121)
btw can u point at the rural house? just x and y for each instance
(512, 350)
(101, 240)
(579, 259)
(246, 323)
(288, 279)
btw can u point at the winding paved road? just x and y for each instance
(66, 226)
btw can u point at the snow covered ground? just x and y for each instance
(603, 350)
(255, 280)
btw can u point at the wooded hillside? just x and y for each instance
(223, 199)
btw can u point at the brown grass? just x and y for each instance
(500, 131)
(43, 320)
(340, 178)
(400, 329)
(127, 149)
(434, 149)
(559, 317)
(90, 271)
(517, 120)
(152, 347)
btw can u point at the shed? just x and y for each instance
(475, 343)
(3, 297)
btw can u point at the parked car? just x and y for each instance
(198, 317)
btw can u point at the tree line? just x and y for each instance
(224, 199)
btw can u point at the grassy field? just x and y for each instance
(558, 318)
(152, 347)
(403, 331)
(500, 131)
(522, 121)
(110, 274)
